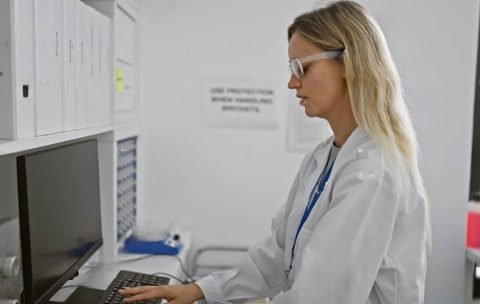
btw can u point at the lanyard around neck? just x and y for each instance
(311, 203)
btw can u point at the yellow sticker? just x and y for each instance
(120, 86)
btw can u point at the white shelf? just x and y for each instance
(20, 145)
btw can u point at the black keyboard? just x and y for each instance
(130, 279)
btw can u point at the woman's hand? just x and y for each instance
(174, 294)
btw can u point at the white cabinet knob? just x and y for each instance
(10, 267)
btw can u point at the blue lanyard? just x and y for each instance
(311, 203)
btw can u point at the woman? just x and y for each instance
(355, 226)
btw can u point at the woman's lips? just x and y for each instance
(302, 101)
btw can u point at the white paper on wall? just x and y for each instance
(241, 101)
(303, 132)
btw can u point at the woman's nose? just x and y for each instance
(294, 82)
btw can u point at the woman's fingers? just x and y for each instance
(135, 290)
(146, 294)
(174, 294)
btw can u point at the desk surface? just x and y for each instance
(99, 276)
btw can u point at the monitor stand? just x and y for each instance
(83, 295)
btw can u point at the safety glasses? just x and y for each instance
(296, 64)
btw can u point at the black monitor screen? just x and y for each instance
(60, 219)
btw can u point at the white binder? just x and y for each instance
(48, 34)
(17, 70)
(99, 80)
(109, 87)
(92, 73)
(6, 77)
(106, 74)
(81, 60)
(69, 53)
(24, 68)
(56, 103)
(42, 64)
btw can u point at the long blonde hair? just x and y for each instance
(373, 83)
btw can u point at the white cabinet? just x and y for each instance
(114, 125)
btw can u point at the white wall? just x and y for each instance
(226, 183)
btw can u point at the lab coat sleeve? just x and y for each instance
(261, 273)
(341, 259)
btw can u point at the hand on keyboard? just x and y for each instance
(126, 279)
(175, 294)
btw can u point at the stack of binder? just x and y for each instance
(58, 67)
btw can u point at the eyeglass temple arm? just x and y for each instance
(324, 55)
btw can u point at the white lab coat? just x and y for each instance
(362, 243)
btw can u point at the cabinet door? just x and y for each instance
(125, 40)
(124, 91)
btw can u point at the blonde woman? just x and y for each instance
(355, 226)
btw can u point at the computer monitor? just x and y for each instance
(60, 219)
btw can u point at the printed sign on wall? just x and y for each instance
(241, 101)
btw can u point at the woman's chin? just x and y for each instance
(312, 114)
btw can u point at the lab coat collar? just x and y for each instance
(321, 155)
(354, 140)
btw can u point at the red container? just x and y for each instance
(473, 225)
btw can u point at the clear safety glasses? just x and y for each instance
(296, 64)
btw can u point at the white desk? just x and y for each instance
(100, 276)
